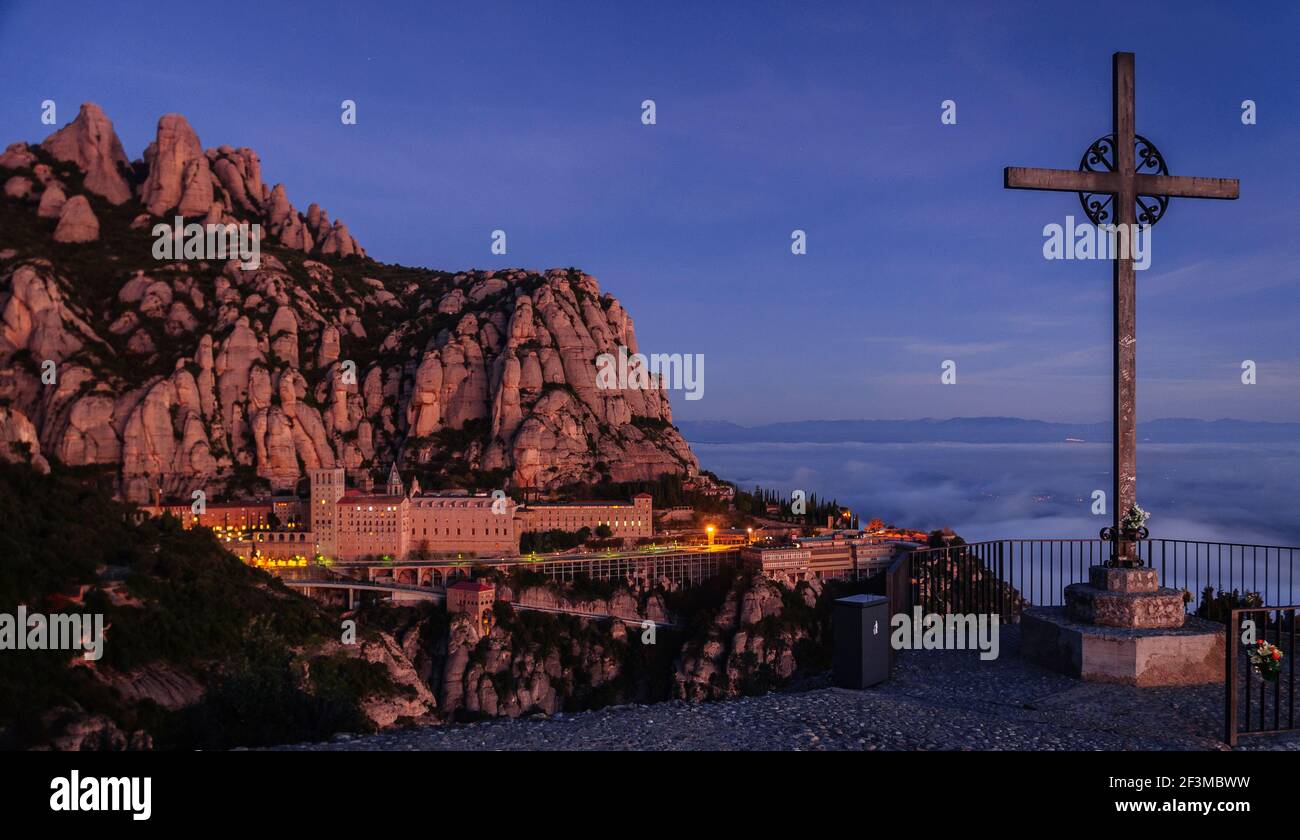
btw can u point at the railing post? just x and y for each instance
(1003, 587)
(1230, 675)
(1277, 684)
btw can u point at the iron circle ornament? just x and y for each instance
(1147, 160)
(1127, 534)
(1124, 535)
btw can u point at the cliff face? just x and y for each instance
(405, 697)
(758, 639)
(542, 662)
(494, 675)
(208, 374)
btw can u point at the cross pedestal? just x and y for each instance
(1191, 654)
(1125, 597)
(1122, 626)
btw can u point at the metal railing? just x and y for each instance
(1004, 576)
(1268, 570)
(1273, 711)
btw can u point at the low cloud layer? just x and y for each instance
(1241, 493)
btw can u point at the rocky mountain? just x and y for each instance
(175, 374)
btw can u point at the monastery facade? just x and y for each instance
(349, 524)
(625, 520)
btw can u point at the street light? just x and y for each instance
(709, 530)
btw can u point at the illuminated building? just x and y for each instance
(353, 525)
(839, 554)
(348, 524)
(625, 521)
(474, 598)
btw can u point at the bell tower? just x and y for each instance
(327, 486)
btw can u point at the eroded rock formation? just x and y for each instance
(751, 644)
(90, 143)
(200, 374)
(77, 222)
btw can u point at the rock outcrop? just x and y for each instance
(52, 201)
(90, 143)
(762, 635)
(219, 186)
(18, 187)
(751, 645)
(502, 675)
(179, 177)
(18, 440)
(17, 156)
(411, 699)
(158, 682)
(74, 730)
(77, 222)
(202, 374)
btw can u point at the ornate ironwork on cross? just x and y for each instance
(1122, 180)
(1100, 157)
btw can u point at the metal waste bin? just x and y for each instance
(860, 625)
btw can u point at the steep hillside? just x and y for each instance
(202, 374)
(199, 650)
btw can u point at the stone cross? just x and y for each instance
(1122, 180)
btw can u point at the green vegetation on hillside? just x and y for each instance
(181, 602)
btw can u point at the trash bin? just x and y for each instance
(860, 626)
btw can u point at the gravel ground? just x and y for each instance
(935, 701)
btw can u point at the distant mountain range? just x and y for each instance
(985, 430)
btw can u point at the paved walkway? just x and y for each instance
(935, 701)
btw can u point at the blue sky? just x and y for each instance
(771, 117)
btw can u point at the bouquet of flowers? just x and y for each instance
(1134, 519)
(1266, 659)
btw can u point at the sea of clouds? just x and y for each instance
(1241, 493)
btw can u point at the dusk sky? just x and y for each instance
(771, 117)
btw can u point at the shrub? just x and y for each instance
(1219, 607)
